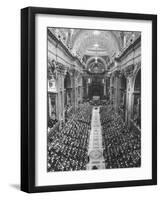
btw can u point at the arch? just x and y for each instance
(93, 59)
(96, 68)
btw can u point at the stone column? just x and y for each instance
(117, 93)
(81, 90)
(104, 92)
(59, 97)
(73, 90)
(57, 106)
(62, 98)
(49, 105)
(60, 79)
(81, 93)
(111, 88)
(130, 97)
(87, 89)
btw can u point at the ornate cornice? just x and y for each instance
(55, 68)
(60, 68)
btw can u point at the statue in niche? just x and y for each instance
(51, 69)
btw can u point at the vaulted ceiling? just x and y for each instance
(86, 42)
(95, 44)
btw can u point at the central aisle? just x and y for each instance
(95, 149)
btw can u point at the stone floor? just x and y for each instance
(95, 149)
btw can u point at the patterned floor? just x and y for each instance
(95, 150)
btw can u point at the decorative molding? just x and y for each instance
(54, 68)
(60, 68)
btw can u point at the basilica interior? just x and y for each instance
(93, 99)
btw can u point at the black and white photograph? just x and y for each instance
(79, 92)
(89, 91)
(93, 99)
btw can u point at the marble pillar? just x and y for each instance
(104, 88)
(49, 105)
(129, 101)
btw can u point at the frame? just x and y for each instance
(28, 103)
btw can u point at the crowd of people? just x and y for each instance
(68, 147)
(84, 113)
(122, 147)
(52, 122)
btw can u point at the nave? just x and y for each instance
(93, 99)
(94, 138)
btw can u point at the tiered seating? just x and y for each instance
(121, 146)
(67, 149)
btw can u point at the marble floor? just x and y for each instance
(95, 149)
